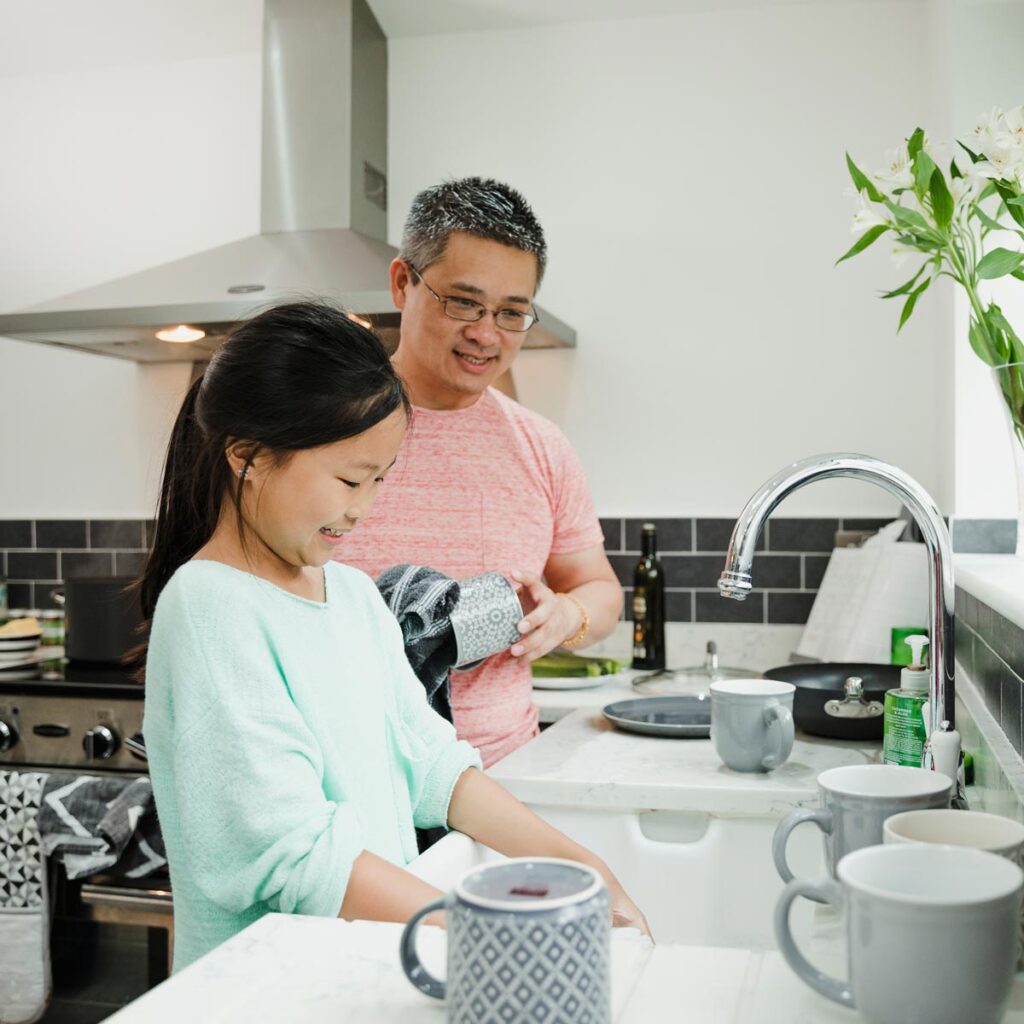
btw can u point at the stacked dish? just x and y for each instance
(19, 649)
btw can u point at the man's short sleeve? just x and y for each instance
(576, 524)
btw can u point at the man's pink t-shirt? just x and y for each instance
(493, 487)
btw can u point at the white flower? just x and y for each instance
(936, 150)
(866, 217)
(898, 173)
(900, 252)
(983, 135)
(1010, 132)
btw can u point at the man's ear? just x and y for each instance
(401, 278)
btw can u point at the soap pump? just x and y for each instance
(904, 727)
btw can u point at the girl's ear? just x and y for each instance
(239, 456)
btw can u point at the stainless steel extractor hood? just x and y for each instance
(323, 213)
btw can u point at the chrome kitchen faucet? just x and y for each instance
(735, 580)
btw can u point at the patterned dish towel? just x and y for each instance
(24, 901)
(94, 823)
(422, 599)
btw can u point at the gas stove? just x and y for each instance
(73, 716)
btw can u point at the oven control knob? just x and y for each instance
(8, 736)
(100, 743)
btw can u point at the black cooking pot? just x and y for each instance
(102, 615)
(824, 683)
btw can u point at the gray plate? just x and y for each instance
(680, 717)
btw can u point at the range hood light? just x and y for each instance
(182, 334)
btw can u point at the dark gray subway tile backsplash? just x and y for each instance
(991, 649)
(36, 555)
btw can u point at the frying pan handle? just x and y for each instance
(819, 816)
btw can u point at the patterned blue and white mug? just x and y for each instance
(528, 940)
(486, 618)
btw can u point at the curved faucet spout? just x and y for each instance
(735, 581)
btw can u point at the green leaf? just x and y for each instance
(954, 171)
(974, 156)
(904, 288)
(908, 306)
(998, 263)
(923, 168)
(871, 235)
(915, 142)
(862, 182)
(1019, 201)
(1007, 195)
(992, 225)
(942, 200)
(911, 220)
(980, 344)
(994, 315)
(1019, 274)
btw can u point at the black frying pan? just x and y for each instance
(819, 682)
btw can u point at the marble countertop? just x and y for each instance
(583, 760)
(998, 580)
(286, 968)
(320, 971)
(740, 645)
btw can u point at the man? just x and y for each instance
(482, 484)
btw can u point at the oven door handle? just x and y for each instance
(51, 729)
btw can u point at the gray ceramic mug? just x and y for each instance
(752, 723)
(855, 801)
(485, 619)
(930, 932)
(976, 829)
(528, 940)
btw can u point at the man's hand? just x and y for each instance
(550, 619)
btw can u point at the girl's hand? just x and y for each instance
(551, 618)
(626, 914)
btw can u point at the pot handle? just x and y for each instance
(57, 594)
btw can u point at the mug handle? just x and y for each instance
(777, 714)
(414, 969)
(819, 816)
(825, 890)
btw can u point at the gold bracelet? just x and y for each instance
(577, 638)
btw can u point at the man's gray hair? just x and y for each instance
(478, 206)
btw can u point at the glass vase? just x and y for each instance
(1009, 380)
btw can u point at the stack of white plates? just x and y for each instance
(18, 656)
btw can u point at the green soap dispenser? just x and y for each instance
(904, 728)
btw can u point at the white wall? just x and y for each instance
(689, 172)
(988, 71)
(130, 136)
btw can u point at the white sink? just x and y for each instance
(700, 879)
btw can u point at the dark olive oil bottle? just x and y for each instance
(649, 605)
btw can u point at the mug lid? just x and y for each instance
(529, 884)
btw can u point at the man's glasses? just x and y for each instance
(458, 308)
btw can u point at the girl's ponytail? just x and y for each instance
(193, 482)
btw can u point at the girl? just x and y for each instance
(291, 747)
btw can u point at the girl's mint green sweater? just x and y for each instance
(284, 737)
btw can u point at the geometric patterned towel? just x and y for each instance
(94, 823)
(24, 901)
(423, 599)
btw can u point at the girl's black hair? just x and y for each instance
(296, 376)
